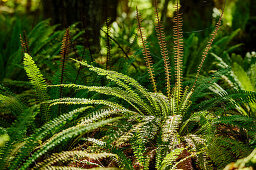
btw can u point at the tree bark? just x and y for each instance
(197, 14)
(92, 13)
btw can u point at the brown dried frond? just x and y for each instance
(108, 62)
(65, 44)
(164, 51)
(178, 48)
(146, 52)
(24, 43)
(66, 41)
(208, 47)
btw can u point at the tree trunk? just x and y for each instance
(92, 13)
(197, 14)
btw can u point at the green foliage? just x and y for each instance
(195, 124)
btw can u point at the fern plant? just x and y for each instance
(21, 151)
(136, 129)
(150, 116)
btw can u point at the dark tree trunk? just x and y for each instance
(197, 14)
(92, 13)
(28, 6)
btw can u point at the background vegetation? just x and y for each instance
(98, 84)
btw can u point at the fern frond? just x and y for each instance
(170, 158)
(108, 62)
(63, 136)
(50, 127)
(114, 91)
(24, 43)
(178, 49)
(238, 121)
(69, 155)
(138, 146)
(146, 51)
(37, 80)
(164, 51)
(170, 127)
(123, 161)
(82, 101)
(11, 103)
(223, 150)
(64, 53)
(208, 47)
(129, 134)
(97, 115)
(127, 83)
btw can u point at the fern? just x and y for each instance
(171, 158)
(68, 155)
(164, 52)
(178, 50)
(146, 52)
(37, 81)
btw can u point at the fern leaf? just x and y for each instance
(63, 136)
(127, 83)
(67, 155)
(82, 101)
(171, 158)
(37, 80)
(95, 116)
(114, 91)
(169, 129)
(41, 133)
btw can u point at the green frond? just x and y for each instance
(114, 91)
(170, 127)
(11, 103)
(223, 150)
(123, 161)
(238, 121)
(50, 127)
(97, 115)
(162, 104)
(82, 101)
(69, 156)
(63, 136)
(37, 80)
(138, 146)
(170, 158)
(126, 82)
(184, 102)
(74, 168)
